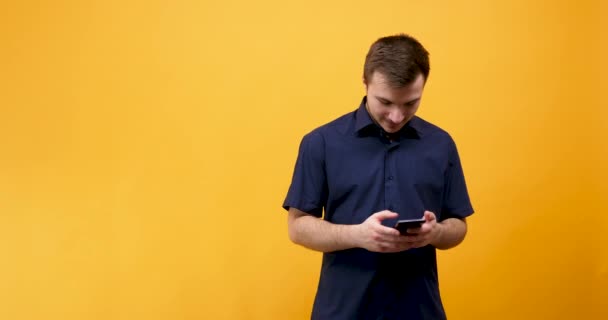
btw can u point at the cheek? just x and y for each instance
(410, 112)
(381, 114)
(415, 108)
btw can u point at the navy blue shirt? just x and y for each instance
(347, 170)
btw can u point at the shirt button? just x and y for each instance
(390, 177)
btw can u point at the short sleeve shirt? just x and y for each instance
(347, 170)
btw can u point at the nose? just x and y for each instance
(396, 116)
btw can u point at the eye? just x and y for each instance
(385, 103)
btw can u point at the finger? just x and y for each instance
(399, 240)
(380, 237)
(419, 244)
(386, 246)
(394, 246)
(427, 227)
(391, 240)
(404, 242)
(429, 216)
(415, 238)
(402, 246)
(414, 230)
(387, 231)
(383, 215)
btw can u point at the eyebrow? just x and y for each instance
(387, 100)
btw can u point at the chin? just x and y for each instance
(392, 129)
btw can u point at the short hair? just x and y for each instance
(400, 58)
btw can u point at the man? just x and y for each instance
(364, 171)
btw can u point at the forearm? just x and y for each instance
(320, 235)
(452, 233)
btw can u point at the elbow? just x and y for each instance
(294, 224)
(452, 236)
(298, 227)
(294, 235)
(446, 246)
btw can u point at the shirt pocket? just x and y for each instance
(428, 183)
(355, 187)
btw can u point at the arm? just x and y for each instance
(452, 233)
(320, 235)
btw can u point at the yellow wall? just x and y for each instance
(146, 147)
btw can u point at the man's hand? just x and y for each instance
(374, 236)
(320, 235)
(428, 233)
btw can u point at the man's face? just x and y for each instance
(392, 107)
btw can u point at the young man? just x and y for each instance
(366, 170)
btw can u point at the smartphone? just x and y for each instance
(403, 225)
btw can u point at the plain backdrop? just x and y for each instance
(146, 148)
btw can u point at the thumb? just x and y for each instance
(429, 216)
(383, 215)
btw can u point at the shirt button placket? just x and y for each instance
(388, 182)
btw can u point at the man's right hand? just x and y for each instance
(374, 236)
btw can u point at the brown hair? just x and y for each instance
(400, 58)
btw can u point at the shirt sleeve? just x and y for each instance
(308, 189)
(456, 203)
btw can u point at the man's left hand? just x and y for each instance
(428, 233)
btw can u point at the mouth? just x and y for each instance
(392, 127)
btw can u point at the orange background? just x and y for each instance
(147, 146)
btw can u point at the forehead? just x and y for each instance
(381, 87)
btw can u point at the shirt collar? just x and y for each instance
(365, 125)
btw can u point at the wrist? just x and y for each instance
(351, 235)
